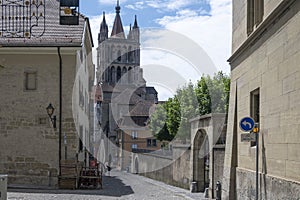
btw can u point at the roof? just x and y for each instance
(55, 34)
(151, 90)
(118, 30)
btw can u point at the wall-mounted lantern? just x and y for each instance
(69, 12)
(50, 110)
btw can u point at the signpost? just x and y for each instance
(247, 124)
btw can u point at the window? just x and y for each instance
(149, 143)
(134, 135)
(255, 13)
(134, 146)
(154, 142)
(30, 82)
(254, 108)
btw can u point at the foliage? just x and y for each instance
(209, 95)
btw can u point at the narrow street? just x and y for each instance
(119, 185)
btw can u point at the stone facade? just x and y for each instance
(266, 60)
(29, 81)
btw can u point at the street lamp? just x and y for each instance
(50, 110)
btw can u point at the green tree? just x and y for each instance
(158, 123)
(213, 93)
(173, 115)
(188, 109)
(208, 95)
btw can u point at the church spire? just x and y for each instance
(103, 35)
(118, 30)
(135, 33)
(135, 23)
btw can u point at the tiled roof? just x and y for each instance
(55, 34)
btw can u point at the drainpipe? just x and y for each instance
(60, 110)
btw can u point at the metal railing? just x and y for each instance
(22, 18)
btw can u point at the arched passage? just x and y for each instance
(201, 160)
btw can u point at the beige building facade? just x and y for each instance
(265, 85)
(29, 82)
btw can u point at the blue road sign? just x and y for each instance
(247, 124)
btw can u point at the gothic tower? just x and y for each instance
(118, 56)
(118, 72)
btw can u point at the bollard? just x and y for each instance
(193, 187)
(218, 190)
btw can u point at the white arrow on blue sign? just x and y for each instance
(247, 124)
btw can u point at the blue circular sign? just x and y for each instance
(247, 124)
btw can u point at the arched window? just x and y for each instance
(119, 73)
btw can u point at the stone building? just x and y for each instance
(121, 78)
(30, 81)
(265, 85)
(134, 134)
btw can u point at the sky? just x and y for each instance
(180, 39)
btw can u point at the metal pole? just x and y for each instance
(257, 158)
(60, 109)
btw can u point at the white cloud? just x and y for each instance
(136, 6)
(212, 32)
(171, 5)
(110, 2)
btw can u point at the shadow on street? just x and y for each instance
(112, 186)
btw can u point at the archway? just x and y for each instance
(201, 160)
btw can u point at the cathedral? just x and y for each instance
(123, 88)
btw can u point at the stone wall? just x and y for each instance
(29, 143)
(270, 187)
(176, 170)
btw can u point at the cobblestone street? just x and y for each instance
(119, 185)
